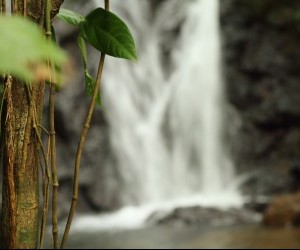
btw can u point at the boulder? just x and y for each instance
(283, 211)
(198, 216)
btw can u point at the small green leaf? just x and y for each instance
(109, 34)
(90, 85)
(70, 17)
(24, 50)
(89, 80)
(82, 46)
(53, 34)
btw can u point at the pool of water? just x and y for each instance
(250, 236)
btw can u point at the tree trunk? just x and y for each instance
(20, 195)
(20, 201)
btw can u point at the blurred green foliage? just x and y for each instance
(24, 51)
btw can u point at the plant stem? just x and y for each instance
(46, 202)
(46, 182)
(79, 152)
(1, 106)
(53, 168)
(55, 184)
(107, 5)
(24, 8)
(10, 173)
(81, 144)
(3, 7)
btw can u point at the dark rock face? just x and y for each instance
(261, 69)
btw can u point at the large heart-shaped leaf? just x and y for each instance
(24, 50)
(109, 34)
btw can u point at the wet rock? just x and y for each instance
(257, 204)
(283, 211)
(199, 216)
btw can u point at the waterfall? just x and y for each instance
(165, 111)
(165, 114)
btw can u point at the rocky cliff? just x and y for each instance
(261, 58)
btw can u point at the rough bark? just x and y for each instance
(20, 204)
(20, 198)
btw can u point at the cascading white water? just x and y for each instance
(166, 120)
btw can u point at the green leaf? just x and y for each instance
(24, 50)
(109, 34)
(90, 85)
(53, 34)
(70, 17)
(89, 80)
(82, 46)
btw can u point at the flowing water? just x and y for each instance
(165, 112)
(166, 122)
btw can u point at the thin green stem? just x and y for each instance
(46, 176)
(24, 8)
(82, 143)
(46, 181)
(48, 8)
(55, 184)
(79, 152)
(53, 168)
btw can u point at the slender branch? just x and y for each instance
(45, 174)
(46, 177)
(107, 7)
(53, 168)
(3, 7)
(44, 129)
(46, 181)
(42, 18)
(79, 152)
(48, 7)
(52, 137)
(81, 145)
(10, 173)
(24, 8)
(1, 107)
